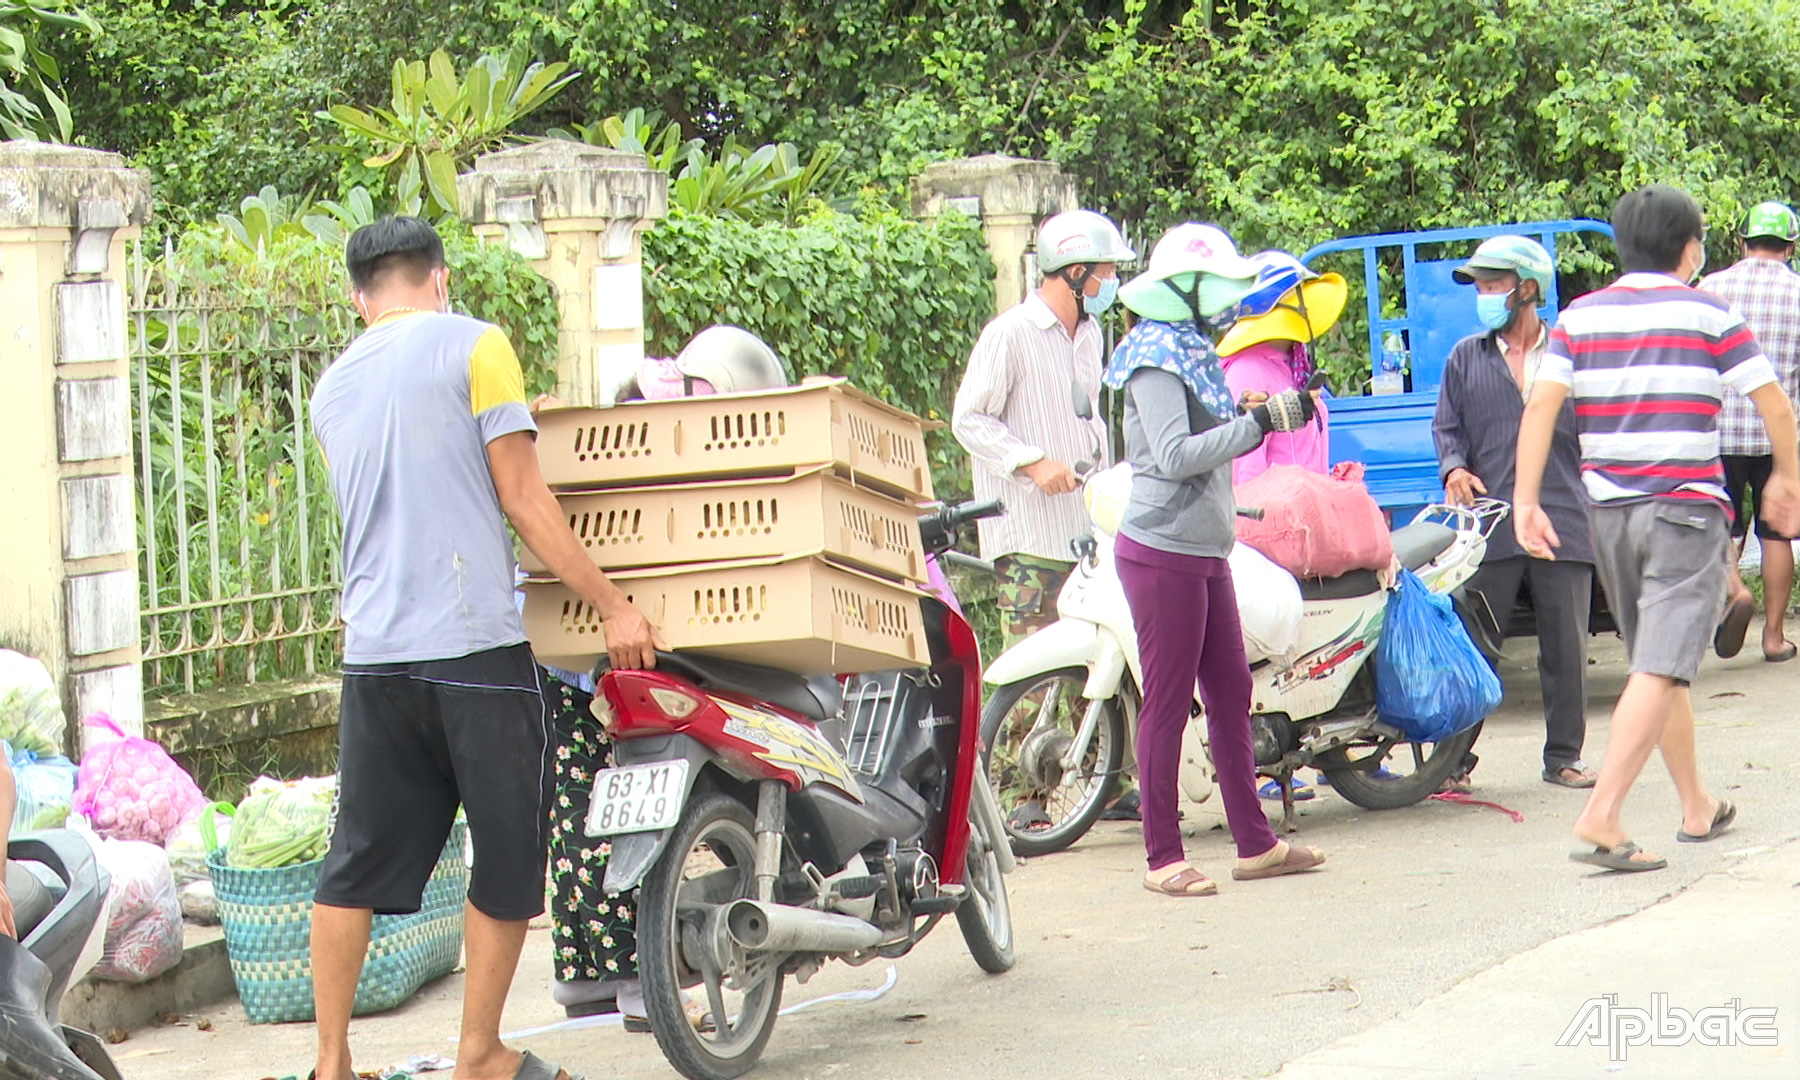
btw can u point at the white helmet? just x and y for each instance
(733, 360)
(1079, 236)
(1192, 266)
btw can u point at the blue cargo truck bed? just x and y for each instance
(1391, 434)
(1391, 437)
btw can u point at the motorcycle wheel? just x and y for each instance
(1354, 777)
(709, 862)
(985, 915)
(1076, 802)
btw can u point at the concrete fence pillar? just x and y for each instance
(69, 573)
(1011, 196)
(576, 212)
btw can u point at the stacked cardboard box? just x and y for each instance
(777, 528)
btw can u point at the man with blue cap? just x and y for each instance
(1481, 403)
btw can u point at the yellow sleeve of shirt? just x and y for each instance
(495, 377)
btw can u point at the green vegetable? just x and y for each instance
(282, 824)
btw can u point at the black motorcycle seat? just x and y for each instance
(1345, 587)
(1421, 542)
(1414, 545)
(31, 901)
(814, 697)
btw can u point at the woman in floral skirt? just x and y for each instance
(594, 931)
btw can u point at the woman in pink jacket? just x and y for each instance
(1265, 352)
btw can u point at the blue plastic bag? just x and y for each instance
(1431, 681)
(45, 786)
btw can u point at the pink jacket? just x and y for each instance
(1265, 367)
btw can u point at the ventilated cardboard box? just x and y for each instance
(801, 614)
(768, 433)
(746, 519)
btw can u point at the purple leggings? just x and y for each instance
(1185, 611)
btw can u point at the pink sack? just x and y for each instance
(1314, 526)
(131, 789)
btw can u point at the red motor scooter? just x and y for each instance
(777, 821)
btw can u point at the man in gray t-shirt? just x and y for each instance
(432, 450)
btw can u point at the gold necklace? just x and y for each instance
(397, 311)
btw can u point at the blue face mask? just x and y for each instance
(1097, 305)
(1492, 310)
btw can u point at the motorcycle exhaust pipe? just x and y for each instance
(784, 928)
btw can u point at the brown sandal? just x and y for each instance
(1187, 882)
(1299, 860)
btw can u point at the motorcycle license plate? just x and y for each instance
(637, 798)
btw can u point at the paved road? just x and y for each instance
(1115, 982)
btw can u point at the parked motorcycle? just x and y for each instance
(1065, 700)
(61, 919)
(777, 821)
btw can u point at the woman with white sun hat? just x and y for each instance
(1182, 430)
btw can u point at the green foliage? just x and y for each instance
(892, 305)
(269, 216)
(636, 132)
(218, 98)
(1290, 122)
(492, 283)
(769, 183)
(29, 73)
(438, 123)
(265, 219)
(897, 86)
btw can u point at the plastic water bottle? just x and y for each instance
(1390, 375)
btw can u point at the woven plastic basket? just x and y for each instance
(267, 915)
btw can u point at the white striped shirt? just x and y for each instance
(1015, 407)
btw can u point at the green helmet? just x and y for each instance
(1520, 255)
(1772, 219)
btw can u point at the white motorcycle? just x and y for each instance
(1063, 710)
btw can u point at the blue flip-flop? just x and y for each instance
(1383, 773)
(1272, 790)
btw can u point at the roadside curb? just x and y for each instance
(200, 981)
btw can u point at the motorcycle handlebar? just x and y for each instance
(938, 528)
(954, 517)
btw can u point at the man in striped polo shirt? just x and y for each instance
(1647, 360)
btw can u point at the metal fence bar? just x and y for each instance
(222, 385)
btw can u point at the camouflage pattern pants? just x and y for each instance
(1026, 588)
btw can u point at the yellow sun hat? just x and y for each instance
(1302, 314)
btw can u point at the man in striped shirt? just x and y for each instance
(1647, 360)
(1016, 415)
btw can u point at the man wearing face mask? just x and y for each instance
(432, 449)
(1487, 380)
(1016, 417)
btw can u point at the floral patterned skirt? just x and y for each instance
(595, 931)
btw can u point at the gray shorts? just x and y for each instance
(1663, 566)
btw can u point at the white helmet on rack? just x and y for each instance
(1079, 236)
(733, 360)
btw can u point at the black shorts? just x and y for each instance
(414, 742)
(1745, 476)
